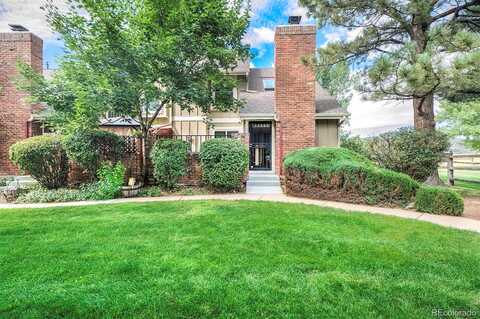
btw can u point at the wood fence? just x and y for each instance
(451, 162)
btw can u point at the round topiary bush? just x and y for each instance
(169, 158)
(409, 151)
(44, 158)
(89, 148)
(339, 174)
(437, 200)
(224, 163)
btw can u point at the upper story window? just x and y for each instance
(268, 84)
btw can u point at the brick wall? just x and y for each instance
(15, 112)
(294, 90)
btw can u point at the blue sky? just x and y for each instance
(266, 14)
(366, 116)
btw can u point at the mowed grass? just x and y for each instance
(468, 186)
(204, 259)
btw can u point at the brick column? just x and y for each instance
(294, 90)
(15, 112)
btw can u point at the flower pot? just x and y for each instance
(131, 191)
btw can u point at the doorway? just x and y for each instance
(260, 145)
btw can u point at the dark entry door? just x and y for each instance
(260, 145)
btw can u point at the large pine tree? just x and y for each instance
(405, 49)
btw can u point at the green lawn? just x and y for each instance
(469, 188)
(204, 259)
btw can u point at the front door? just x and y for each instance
(260, 145)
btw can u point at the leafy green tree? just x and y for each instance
(150, 54)
(462, 118)
(337, 79)
(75, 97)
(406, 50)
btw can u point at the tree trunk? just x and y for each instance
(424, 119)
(423, 116)
(145, 152)
(434, 179)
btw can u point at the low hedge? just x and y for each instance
(42, 195)
(169, 158)
(108, 186)
(44, 158)
(438, 200)
(341, 174)
(224, 163)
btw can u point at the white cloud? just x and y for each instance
(354, 33)
(257, 36)
(374, 117)
(28, 14)
(259, 5)
(294, 9)
(332, 37)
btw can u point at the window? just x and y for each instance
(269, 84)
(227, 134)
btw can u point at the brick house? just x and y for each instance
(285, 108)
(16, 114)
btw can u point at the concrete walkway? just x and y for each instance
(448, 221)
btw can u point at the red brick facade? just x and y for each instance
(294, 90)
(15, 112)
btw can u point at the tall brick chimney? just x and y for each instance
(294, 90)
(15, 111)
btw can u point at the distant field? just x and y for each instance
(470, 188)
(462, 174)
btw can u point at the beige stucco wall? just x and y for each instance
(326, 133)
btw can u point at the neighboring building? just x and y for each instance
(285, 108)
(16, 114)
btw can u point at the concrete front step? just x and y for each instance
(263, 182)
(263, 178)
(264, 190)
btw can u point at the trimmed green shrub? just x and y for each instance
(412, 152)
(354, 143)
(44, 158)
(438, 200)
(224, 163)
(169, 158)
(110, 181)
(90, 148)
(347, 172)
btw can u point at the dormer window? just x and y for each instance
(269, 84)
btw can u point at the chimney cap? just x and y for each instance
(17, 28)
(294, 19)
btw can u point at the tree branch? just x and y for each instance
(455, 10)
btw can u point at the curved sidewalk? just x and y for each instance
(448, 221)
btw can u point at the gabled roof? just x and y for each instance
(243, 67)
(326, 105)
(261, 102)
(258, 103)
